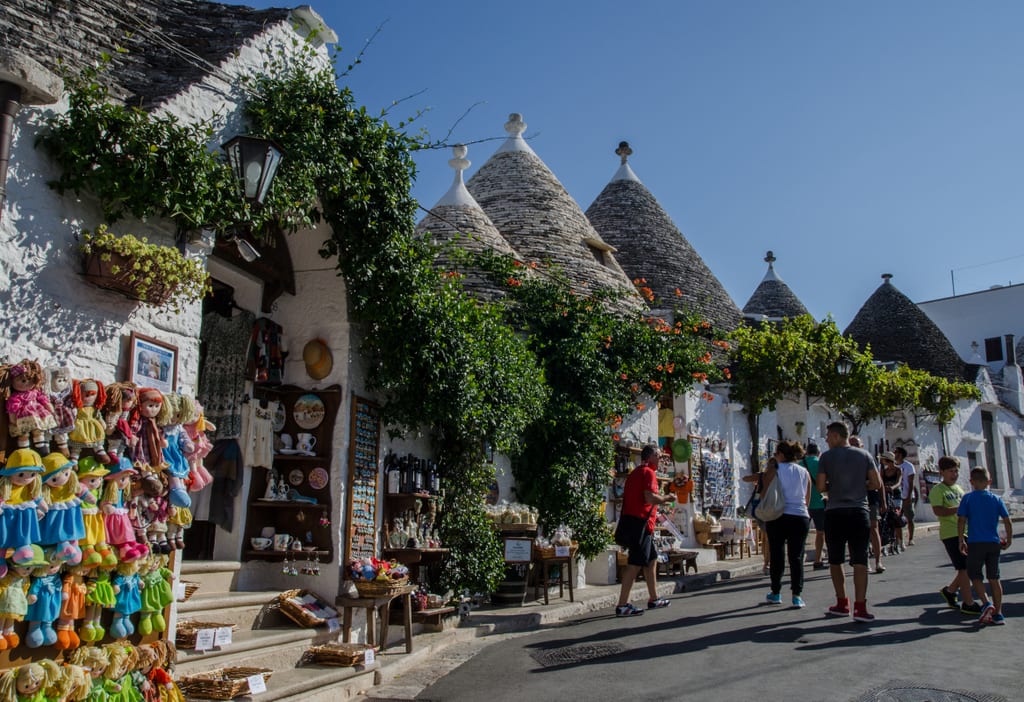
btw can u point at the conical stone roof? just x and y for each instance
(773, 299)
(535, 214)
(457, 218)
(898, 330)
(650, 246)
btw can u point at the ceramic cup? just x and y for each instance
(306, 442)
(287, 443)
(282, 542)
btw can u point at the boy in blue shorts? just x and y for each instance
(979, 512)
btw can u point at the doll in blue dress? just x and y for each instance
(14, 597)
(128, 598)
(47, 588)
(62, 525)
(177, 409)
(20, 504)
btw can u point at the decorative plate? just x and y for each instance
(280, 417)
(308, 411)
(295, 477)
(693, 427)
(318, 478)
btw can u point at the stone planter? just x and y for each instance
(100, 273)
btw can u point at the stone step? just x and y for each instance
(275, 649)
(316, 683)
(247, 610)
(212, 576)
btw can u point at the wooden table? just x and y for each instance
(541, 573)
(378, 607)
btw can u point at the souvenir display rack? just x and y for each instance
(364, 448)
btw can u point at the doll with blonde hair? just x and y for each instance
(122, 659)
(29, 683)
(72, 685)
(114, 505)
(99, 595)
(95, 549)
(20, 505)
(44, 610)
(95, 660)
(90, 432)
(62, 525)
(29, 412)
(157, 594)
(127, 584)
(15, 598)
(177, 409)
(122, 397)
(196, 427)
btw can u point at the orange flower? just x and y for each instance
(615, 437)
(623, 376)
(679, 293)
(726, 373)
(517, 264)
(514, 282)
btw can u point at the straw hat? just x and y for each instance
(318, 359)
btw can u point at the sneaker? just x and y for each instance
(998, 619)
(773, 598)
(911, 543)
(973, 608)
(861, 614)
(840, 609)
(798, 602)
(987, 612)
(949, 597)
(820, 566)
(628, 610)
(658, 603)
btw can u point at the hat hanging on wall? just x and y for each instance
(317, 358)
(681, 450)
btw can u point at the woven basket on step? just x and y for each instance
(380, 588)
(221, 684)
(305, 608)
(190, 589)
(185, 634)
(339, 654)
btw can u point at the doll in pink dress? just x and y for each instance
(113, 504)
(64, 410)
(28, 407)
(90, 432)
(122, 397)
(196, 428)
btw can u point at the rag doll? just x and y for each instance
(90, 432)
(72, 608)
(99, 595)
(127, 586)
(29, 412)
(176, 409)
(63, 525)
(63, 405)
(45, 608)
(165, 685)
(119, 528)
(149, 449)
(21, 505)
(96, 660)
(157, 593)
(148, 657)
(153, 511)
(179, 520)
(14, 598)
(119, 680)
(122, 397)
(30, 682)
(72, 686)
(196, 428)
(95, 550)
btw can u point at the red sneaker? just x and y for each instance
(861, 614)
(841, 608)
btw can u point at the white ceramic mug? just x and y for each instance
(306, 442)
(282, 542)
(287, 442)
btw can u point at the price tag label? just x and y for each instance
(369, 656)
(256, 684)
(205, 639)
(222, 637)
(179, 591)
(333, 625)
(561, 551)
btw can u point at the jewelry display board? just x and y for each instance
(696, 466)
(363, 450)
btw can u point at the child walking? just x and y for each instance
(979, 513)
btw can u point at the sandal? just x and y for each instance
(879, 568)
(628, 610)
(658, 603)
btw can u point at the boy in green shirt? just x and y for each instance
(944, 499)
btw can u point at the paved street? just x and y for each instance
(722, 643)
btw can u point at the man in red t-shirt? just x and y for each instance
(640, 500)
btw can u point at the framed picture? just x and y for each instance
(152, 363)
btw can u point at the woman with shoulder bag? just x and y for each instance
(755, 500)
(787, 535)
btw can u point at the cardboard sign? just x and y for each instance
(205, 639)
(256, 684)
(222, 637)
(369, 656)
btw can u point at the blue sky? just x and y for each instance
(851, 138)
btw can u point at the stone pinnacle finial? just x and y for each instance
(770, 258)
(886, 277)
(515, 125)
(624, 152)
(460, 162)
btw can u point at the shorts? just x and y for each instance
(873, 503)
(958, 559)
(818, 517)
(983, 554)
(638, 541)
(847, 527)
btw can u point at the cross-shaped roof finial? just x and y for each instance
(770, 258)
(624, 152)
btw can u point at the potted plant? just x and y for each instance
(154, 274)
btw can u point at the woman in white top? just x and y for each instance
(787, 535)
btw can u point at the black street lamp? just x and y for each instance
(254, 162)
(844, 366)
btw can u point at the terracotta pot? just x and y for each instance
(100, 273)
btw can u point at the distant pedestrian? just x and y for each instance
(787, 535)
(945, 498)
(876, 510)
(640, 499)
(846, 474)
(892, 477)
(978, 515)
(908, 487)
(816, 508)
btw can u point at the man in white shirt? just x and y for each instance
(908, 487)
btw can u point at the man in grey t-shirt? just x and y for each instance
(846, 474)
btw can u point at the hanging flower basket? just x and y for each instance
(154, 274)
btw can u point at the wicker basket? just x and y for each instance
(380, 588)
(221, 684)
(185, 634)
(190, 589)
(305, 608)
(549, 551)
(339, 654)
